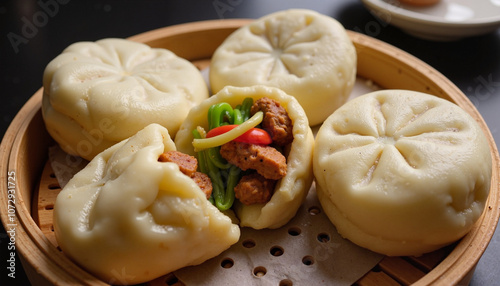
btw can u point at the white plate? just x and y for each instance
(445, 21)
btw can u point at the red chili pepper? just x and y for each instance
(253, 136)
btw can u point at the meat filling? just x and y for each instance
(269, 163)
(254, 189)
(266, 160)
(188, 165)
(203, 181)
(276, 120)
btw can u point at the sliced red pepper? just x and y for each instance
(253, 136)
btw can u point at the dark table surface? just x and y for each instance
(34, 32)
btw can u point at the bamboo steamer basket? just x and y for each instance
(25, 144)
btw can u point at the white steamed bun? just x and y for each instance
(128, 214)
(306, 54)
(401, 172)
(99, 93)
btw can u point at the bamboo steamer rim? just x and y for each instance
(38, 252)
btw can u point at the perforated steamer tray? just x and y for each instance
(24, 150)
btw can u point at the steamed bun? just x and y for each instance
(401, 172)
(99, 93)
(291, 190)
(306, 54)
(128, 214)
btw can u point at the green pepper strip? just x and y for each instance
(217, 114)
(222, 199)
(202, 159)
(216, 158)
(211, 162)
(234, 172)
(237, 116)
(232, 180)
(245, 108)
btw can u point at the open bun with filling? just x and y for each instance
(129, 217)
(290, 190)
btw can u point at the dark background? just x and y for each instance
(34, 32)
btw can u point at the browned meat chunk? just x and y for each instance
(254, 189)
(276, 120)
(204, 182)
(187, 164)
(266, 160)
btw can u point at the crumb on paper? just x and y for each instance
(64, 165)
